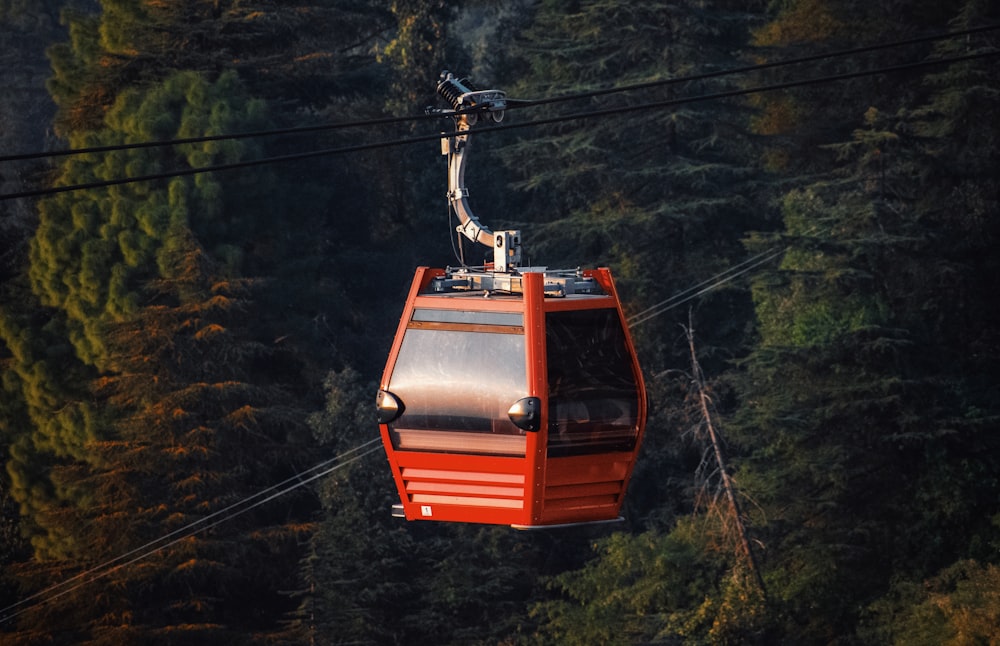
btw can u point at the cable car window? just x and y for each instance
(456, 387)
(593, 395)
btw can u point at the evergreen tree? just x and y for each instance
(668, 189)
(48, 416)
(652, 588)
(106, 266)
(664, 198)
(865, 409)
(94, 262)
(959, 605)
(203, 423)
(796, 123)
(306, 50)
(93, 249)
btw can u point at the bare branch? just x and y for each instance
(706, 430)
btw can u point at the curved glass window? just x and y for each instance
(456, 382)
(593, 394)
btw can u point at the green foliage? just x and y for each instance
(80, 85)
(959, 605)
(798, 123)
(93, 250)
(652, 587)
(199, 426)
(304, 51)
(827, 295)
(147, 381)
(856, 413)
(416, 47)
(47, 417)
(660, 196)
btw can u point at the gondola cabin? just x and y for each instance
(512, 398)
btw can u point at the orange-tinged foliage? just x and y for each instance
(111, 444)
(301, 529)
(176, 518)
(243, 416)
(312, 57)
(86, 113)
(208, 331)
(803, 22)
(776, 116)
(190, 564)
(104, 382)
(198, 434)
(970, 602)
(190, 482)
(106, 61)
(187, 628)
(218, 301)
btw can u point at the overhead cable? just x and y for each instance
(322, 469)
(512, 103)
(231, 511)
(518, 103)
(705, 286)
(512, 126)
(340, 461)
(381, 121)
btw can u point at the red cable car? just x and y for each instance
(510, 396)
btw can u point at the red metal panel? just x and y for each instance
(529, 491)
(534, 331)
(586, 488)
(417, 474)
(553, 493)
(582, 509)
(420, 279)
(591, 488)
(603, 276)
(464, 488)
(600, 467)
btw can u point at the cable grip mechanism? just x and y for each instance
(467, 103)
(467, 100)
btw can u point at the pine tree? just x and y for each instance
(95, 261)
(48, 417)
(306, 51)
(92, 249)
(105, 265)
(666, 188)
(865, 412)
(203, 423)
(797, 122)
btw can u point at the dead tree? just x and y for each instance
(713, 469)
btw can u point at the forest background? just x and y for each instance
(174, 348)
